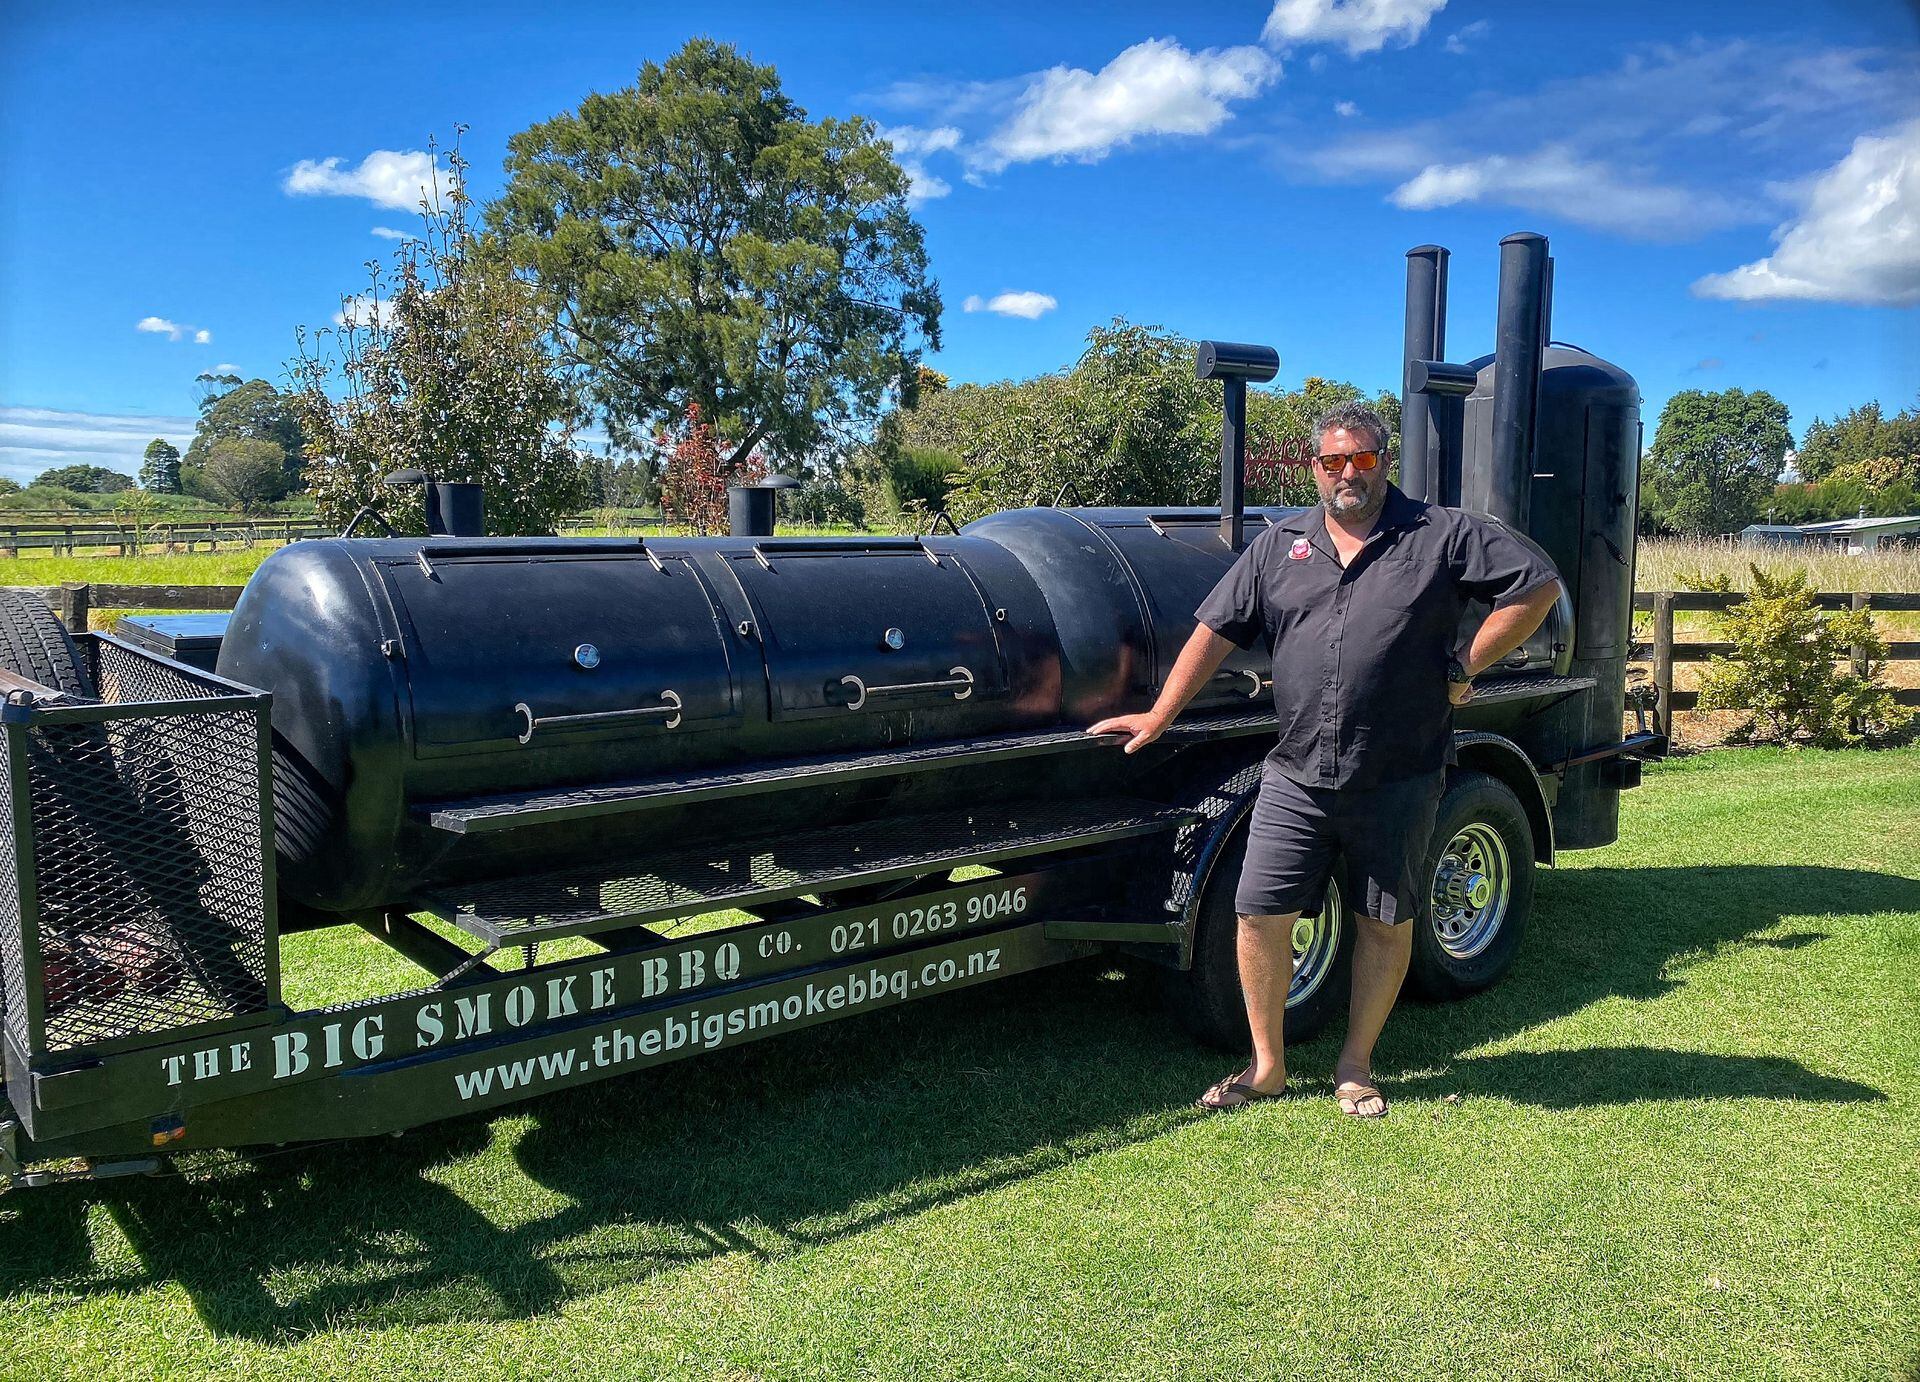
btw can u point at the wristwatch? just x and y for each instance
(1457, 672)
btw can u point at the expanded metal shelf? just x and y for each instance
(756, 872)
(616, 798)
(1527, 688)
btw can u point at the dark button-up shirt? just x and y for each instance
(1360, 652)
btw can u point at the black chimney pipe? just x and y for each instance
(1426, 339)
(750, 507)
(454, 508)
(1519, 337)
(1233, 365)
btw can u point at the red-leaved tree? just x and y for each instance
(693, 492)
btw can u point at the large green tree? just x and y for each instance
(703, 242)
(443, 365)
(1859, 435)
(1128, 424)
(160, 467)
(252, 411)
(85, 479)
(1715, 460)
(247, 472)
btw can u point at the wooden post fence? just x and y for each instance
(1664, 652)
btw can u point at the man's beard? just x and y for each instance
(1375, 498)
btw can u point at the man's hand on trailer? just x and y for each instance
(1198, 661)
(1500, 633)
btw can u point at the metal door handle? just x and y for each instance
(959, 681)
(671, 708)
(1260, 684)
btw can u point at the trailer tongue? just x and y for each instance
(750, 784)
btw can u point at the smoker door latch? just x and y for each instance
(669, 707)
(958, 680)
(1258, 685)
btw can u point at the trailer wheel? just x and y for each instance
(1481, 867)
(1207, 999)
(34, 644)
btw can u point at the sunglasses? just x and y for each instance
(1359, 460)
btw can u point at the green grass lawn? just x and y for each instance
(1680, 1140)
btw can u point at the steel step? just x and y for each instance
(510, 812)
(753, 872)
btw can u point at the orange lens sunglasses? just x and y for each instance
(1359, 460)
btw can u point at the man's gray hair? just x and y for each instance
(1352, 417)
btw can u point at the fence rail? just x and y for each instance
(131, 536)
(1663, 652)
(63, 539)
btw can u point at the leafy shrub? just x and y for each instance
(1128, 424)
(1792, 669)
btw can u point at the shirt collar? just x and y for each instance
(1400, 511)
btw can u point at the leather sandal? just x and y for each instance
(1232, 1093)
(1352, 1095)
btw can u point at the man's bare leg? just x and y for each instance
(1380, 957)
(1266, 973)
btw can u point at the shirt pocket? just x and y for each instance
(1407, 584)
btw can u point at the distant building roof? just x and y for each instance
(1863, 525)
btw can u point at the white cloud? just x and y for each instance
(173, 330)
(1669, 141)
(1345, 109)
(35, 439)
(1462, 39)
(1555, 181)
(1856, 239)
(226, 369)
(1029, 305)
(385, 177)
(364, 310)
(1155, 87)
(389, 233)
(911, 145)
(1362, 26)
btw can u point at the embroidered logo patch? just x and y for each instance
(1300, 550)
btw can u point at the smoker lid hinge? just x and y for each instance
(393, 650)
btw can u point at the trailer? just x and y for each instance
(736, 786)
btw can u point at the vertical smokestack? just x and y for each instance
(1518, 341)
(1426, 339)
(1234, 364)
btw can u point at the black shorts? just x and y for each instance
(1379, 836)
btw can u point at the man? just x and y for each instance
(1361, 602)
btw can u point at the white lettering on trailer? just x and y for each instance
(289, 1054)
(478, 1013)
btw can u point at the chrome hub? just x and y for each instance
(1471, 886)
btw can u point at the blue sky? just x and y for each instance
(1733, 192)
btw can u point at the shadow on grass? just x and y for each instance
(772, 1147)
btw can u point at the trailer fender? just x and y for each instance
(1222, 792)
(1499, 757)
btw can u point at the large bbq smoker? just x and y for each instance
(746, 784)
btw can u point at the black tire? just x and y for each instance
(1459, 947)
(1207, 998)
(34, 644)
